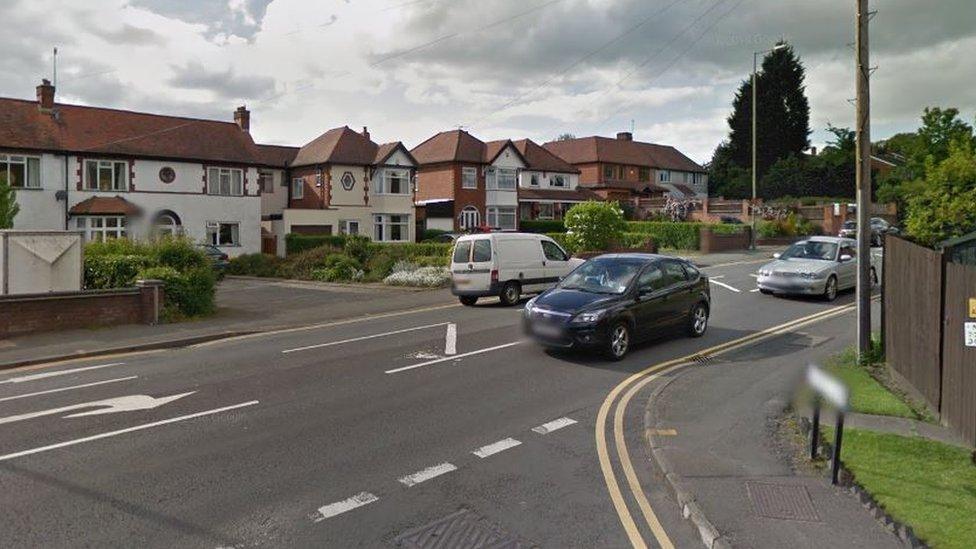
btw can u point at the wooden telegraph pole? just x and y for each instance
(863, 181)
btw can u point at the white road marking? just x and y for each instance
(339, 507)
(754, 290)
(32, 377)
(554, 425)
(427, 474)
(496, 447)
(82, 386)
(753, 275)
(455, 357)
(450, 340)
(384, 334)
(124, 431)
(724, 285)
(107, 406)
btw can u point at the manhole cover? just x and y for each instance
(782, 501)
(462, 529)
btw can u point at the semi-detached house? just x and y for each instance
(548, 186)
(114, 173)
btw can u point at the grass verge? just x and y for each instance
(868, 395)
(928, 485)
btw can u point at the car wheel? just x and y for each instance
(511, 292)
(830, 289)
(468, 300)
(618, 341)
(698, 320)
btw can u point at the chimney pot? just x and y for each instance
(242, 117)
(365, 132)
(45, 95)
(625, 136)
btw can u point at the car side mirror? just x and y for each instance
(777, 255)
(845, 258)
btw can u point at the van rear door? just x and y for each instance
(471, 265)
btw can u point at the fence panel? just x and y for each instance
(913, 315)
(959, 362)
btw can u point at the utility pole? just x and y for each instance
(863, 74)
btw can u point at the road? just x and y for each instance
(359, 433)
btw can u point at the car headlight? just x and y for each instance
(527, 310)
(811, 276)
(765, 272)
(588, 317)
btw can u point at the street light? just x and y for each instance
(755, 83)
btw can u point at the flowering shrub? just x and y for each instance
(424, 277)
(594, 226)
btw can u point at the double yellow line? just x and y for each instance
(637, 382)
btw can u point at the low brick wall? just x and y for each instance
(779, 240)
(710, 242)
(32, 313)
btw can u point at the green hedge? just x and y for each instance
(114, 271)
(542, 226)
(295, 243)
(678, 235)
(187, 294)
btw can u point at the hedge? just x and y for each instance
(543, 226)
(189, 293)
(295, 242)
(678, 235)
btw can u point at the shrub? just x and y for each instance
(635, 240)
(411, 249)
(727, 228)
(425, 277)
(178, 253)
(542, 226)
(254, 265)
(791, 225)
(358, 248)
(379, 266)
(430, 234)
(188, 294)
(432, 260)
(594, 225)
(668, 234)
(296, 243)
(561, 239)
(303, 263)
(338, 268)
(104, 270)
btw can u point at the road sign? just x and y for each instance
(970, 332)
(828, 386)
(834, 391)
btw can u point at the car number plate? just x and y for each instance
(547, 330)
(461, 282)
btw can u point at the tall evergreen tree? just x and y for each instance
(8, 204)
(783, 114)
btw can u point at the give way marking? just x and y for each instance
(108, 406)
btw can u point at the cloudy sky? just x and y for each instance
(499, 68)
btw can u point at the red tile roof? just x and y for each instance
(76, 128)
(384, 151)
(580, 194)
(104, 205)
(540, 159)
(495, 148)
(279, 156)
(587, 150)
(338, 146)
(450, 146)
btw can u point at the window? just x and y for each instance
(545, 210)
(225, 182)
(224, 234)
(470, 218)
(697, 178)
(502, 217)
(101, 228)
(644, 173)
(106, 175)
(558, 181)
(462, 251)
(848, 251)
(394, 182)
(297, 188)
(651, 280)
(21, 172)
(674, 273)
(664, 176)
(481, 251)
(504, 179)
(348, 226)
(166, 225)
(266, 182)
(608, 171)
(534, 180)
(469, 178)
(553, 251)
(391, 228)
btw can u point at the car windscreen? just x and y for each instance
(811, 249)
(602, 276)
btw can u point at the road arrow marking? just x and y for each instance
(32, 377)
(108, 406)
(450, 342)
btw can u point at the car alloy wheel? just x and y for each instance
(830, 290)
(619, 341)
(511, 293)
(699, 320)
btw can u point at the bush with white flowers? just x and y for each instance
(424, 277)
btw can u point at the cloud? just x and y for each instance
(222, 84)
(240, 18)
(132, 36)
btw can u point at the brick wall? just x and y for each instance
(435, 182)
(709, 242)
(313, 197)
(31, 313)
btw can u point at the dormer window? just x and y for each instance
(106, 175)
(558, 181)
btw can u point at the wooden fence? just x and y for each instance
(925, 304)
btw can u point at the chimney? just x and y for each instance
(365, 132)
(242, 117)
(45, 95)
(625, 136)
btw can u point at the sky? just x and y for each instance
(498, 68)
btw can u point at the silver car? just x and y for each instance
(818, 266)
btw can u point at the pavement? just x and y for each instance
(906, 427)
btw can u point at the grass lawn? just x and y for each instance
(928, 485)
(868, 396)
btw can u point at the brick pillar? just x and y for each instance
(151, 295)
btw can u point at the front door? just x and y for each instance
(469, 219)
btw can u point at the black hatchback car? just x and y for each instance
(613, 300)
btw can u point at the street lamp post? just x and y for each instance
(755, 84)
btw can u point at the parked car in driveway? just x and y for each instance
(818, 266)
(613, 300)
(879, 228)
(506, 265)
(217, 257)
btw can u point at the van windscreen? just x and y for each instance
(462, 250)
(482, 251)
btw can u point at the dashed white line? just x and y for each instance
(450, 339)
(453, 357)
(554, 425)
(339, 507)
(354, 339)
(496, 447)
(427, 474)
(724, 285)
(33, 377)
(82, 386)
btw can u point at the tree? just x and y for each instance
(783, 114)
(945, 207)
(594, 226)
(726, 179)
(8, 204)
(565, 137)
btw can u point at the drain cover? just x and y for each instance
(463, 529)
(782, 501)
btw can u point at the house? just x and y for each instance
(343, 183)
(114, 173)
(274, 183)
(548, 185)
(464, 183)
(621, 168)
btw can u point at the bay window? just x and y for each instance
(391, 227)
(501, 217)
(394, 182)
(545, 210)
(225, 181)
(504, 179)
(20, 172)
(223, 234)
(106, 175)
(99, 228)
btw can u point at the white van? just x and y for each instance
(506, 265)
